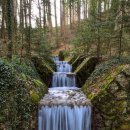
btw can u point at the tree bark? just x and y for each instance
(56, 26)
(10, 13)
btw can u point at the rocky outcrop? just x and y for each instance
(44, 69)
(84, 70)
(109, 93)
(20, 91)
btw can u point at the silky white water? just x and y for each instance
(64, 117)
(64, 76)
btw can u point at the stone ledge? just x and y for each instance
(73, 97)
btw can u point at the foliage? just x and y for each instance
(106, 31)
(104, 74)
(105, 66)
(40, 40)
(18, 102)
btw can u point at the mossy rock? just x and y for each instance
(43, 89)
(111, 104)
(34, 97)
(44, 70)
(77, 61)
(73, 58)
(84, 70)
(20, 92)
(93, 89)
(35, 85)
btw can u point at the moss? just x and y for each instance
(24, 77)
(111, 105)
(102, 84)
(81, 65)
(20, 93)
(43, 89)
(47, 66)
(34, 97)
(74, 60)
(44, 70)
(38, 82)
(84, 70)
(77, 61)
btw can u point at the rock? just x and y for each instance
(121, 95)
(127, 70)
(109, 94)
(44, 69)
(65, 97)
(123, 82)
(113, 88)
(84, 69)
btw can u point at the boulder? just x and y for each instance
(109, 94)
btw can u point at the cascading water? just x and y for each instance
(65, 107)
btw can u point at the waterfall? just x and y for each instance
(65, 107)
(63, 80)
(64, 118)
(64, 76)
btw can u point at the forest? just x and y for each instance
(64, 64)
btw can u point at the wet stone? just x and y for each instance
(65, 98)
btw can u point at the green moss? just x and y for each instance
(24, 77)
(77, 61)
(102, 83)
(84, 70)
(81, 65)
(20, 92)
(38, 83)
(111, 107)
(47, 66)
(34, 97)
(44, 70)
(74, 60)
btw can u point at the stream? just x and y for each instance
(65, 107)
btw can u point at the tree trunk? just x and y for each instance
(56, 26)
(21, 28)
(39, 8)
(70, 12)
(10, 13)
(49, 16)
(78, 10)
(44, 15)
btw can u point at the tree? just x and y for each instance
(56, 26)
(10, 16)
